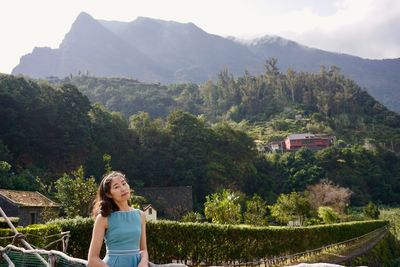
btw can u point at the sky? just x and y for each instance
(365, 28)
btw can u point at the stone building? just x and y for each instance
(26, 205)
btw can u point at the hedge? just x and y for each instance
(35, 234)
(211, 244)
(4, 224)
(81, 234)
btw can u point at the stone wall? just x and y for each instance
(26, 214)
(10, 209)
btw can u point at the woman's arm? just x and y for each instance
(144, 261)
(99, 229)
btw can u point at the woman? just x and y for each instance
(122, 227)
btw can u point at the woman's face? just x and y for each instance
(119, 189)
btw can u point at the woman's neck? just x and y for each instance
(123, 206)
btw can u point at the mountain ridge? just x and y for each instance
(155, 50)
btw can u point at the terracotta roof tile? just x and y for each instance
(27, 198)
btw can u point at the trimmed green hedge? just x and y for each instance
(81, 234)
(4, 224)
(34, 234)
(213, 244)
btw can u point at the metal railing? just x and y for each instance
(376, 235)
(54, 257)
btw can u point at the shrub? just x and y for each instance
(328, 215)
(81, 233)
(35, 234)
(256, 210)
(223, 208)
(4, 224)
(192, 216)
(371, 211)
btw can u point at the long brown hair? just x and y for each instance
(103, 204)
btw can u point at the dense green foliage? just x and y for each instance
(43, 127)
(331, 102)
(393, 216)
(291, 207)
(371, 211)
(76, 193)
(47, 131)
(328, 215)
(192, 216)
(223, 208)
(256, 210)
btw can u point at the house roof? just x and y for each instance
(301, 136)
(27, 198)
(146, 207)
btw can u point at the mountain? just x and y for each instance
(90, 47)
(168, 52)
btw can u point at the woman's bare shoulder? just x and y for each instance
(101, 220)
(142, 214)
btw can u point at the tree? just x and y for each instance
(5, 154)
(256, 211)
(223, 208)
(192, 216)
(110, 135)
(189, 150)
(325, 193)
(302, 169)
(291, 78)
(5, 176)
(4, 167)
(371, 211)
(232, 165)
(76, 193)
(210, 94)
(328, 215)
(290, 207)
(142, 124)
(137, 201)
(107, 163)
(49, 214)
(24, 180)
(271, 67)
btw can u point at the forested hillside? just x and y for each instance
(201, 136)
(329, 102)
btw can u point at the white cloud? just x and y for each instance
(367, 28)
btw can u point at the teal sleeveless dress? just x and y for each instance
(122, 239)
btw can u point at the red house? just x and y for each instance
(314, 142)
